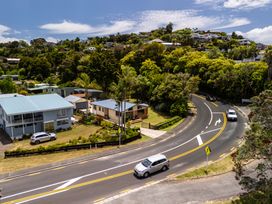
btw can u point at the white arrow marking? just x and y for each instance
(68, 183)
(200, 142)
(218, 121)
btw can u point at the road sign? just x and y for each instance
(208, 150)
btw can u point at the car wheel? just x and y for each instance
(52, 138)
(37, 142)
(164, 168)
(146, 174)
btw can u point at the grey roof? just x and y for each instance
(111, 104)
(42, 88)
(9, 95)
(37, 103)
(88, 90)
(73, 99)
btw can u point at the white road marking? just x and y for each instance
(210, 113)
(112, 168)
(68, 183)
(218, 121)
(199, 140)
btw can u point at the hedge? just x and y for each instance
(167, 123)
(66, 147)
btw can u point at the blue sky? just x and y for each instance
(60, 19)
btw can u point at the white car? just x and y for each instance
(151, 165)
(39, 137)
(231, 115)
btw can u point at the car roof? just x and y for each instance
(39, 133)
(231, 110)
(156, 157)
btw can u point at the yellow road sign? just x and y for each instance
(208, 150)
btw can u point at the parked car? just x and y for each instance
(39, 137)
(151, 165)
(231, 115)
(210, 98)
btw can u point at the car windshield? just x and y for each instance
(232, 113)
(146, 163)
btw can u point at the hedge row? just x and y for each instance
(67, 147)
(167, 123)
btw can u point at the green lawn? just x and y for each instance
(62, 137)
(218, 167)
(153, 118)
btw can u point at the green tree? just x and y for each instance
(7, 86)
(258, 146)
(268, 60)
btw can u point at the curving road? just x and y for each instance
(95, 180)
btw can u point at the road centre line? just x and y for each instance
(199, 140)
(58, 168)
(115, 175)
(49, 193)
(119, 166)
(76, 163)
(102, 171)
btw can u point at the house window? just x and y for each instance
(99, 108)
(17, 119)
(63, 122)
(62, 113)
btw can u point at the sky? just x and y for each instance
(57, 20)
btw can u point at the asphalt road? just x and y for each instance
(93, 181)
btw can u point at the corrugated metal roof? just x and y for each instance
(111, 104)
(74, 99)
(36, 103)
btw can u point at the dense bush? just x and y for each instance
(168, 123)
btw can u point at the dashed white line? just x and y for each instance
(199, 140)
(68, 183)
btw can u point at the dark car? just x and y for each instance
(210, 98)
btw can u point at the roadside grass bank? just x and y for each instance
(218, 167)
(20, 163)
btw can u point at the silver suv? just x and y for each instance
(151, 165)
(38, 137)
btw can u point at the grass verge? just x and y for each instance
(20, 163)
(218, 167)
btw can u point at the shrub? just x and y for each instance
(168, 123)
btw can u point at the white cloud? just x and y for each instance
(262, 35)
(235, 22)
(246, 4)
(4, 35)
(146, 21)
(150, 20)
(67, 27)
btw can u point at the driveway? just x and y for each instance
(152, 133)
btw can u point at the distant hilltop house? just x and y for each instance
(110, 110)
(43, 88)
(244, 42)
(13, 60)
(167, 44)
(24, 115)
(13, 77)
